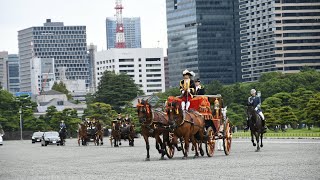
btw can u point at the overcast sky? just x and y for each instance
(16, 15)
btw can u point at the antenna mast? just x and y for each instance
(120, 40)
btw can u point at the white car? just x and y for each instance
(1, 140)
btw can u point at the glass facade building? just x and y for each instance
(203, 36)
(13, 81)
(279, 35)
(66, 44)
(132, 32)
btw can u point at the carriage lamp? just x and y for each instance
(217, 107)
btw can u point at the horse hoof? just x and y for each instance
(261, 145)
(195, 156)
(162, 158)
(184, 157)
(147, 159)
(254, 144)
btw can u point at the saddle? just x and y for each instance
(189, 120)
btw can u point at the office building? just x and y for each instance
(3, 69)
(42, 75)
(279, 35)
(13, 78)
(65, 44)
(132, 32)
(203, 36)
(144, 65)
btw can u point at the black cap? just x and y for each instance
(198, 80)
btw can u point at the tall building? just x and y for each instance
(66, 44)
(144, 65)
(203, 36)
(3, 69)
(279, 35)
(92, 50)
(132, 32)
(166, 73)
(13, 78)
(42, 75)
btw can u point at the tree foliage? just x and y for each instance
(61, 87)
(116, 90)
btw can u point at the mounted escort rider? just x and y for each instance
(187, 89)
(62, 125)
(255, 101)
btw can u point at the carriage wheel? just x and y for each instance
(227, 139)
(211, 142)
(169, 147)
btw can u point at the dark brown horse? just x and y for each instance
(153, 124)
(99, 134)
(256, 127)
(116, 133)
(187, 127)
(128, 132)
(82, 134)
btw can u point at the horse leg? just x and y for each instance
(252, 140)
(257, 139)
(146, 140)
(194, 144)
(78, 140)
(186, 145)
(161, 151)
(261, 137)
(101, 138)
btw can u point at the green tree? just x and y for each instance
(9, 111)
(286, 116)
(116, 90)
(132, 112)
(101, 111)
(61, 87)
(313, 110)
(28, 107)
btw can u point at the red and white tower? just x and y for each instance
(120, 40)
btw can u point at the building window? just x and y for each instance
(60, 103)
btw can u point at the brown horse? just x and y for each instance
(82, 134)
(99, 134)
(153, 124)
(187, 127)
(116, 133)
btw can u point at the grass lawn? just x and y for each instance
(314, 132)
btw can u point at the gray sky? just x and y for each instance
(20, 14)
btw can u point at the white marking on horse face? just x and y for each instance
(224, 111)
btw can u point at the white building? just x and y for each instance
(42, 74)
(144, 65)
(3, 69)
(59, 100)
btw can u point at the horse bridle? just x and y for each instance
(146, 109)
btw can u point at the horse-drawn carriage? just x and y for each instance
(122, 130)
(205, 122)
(90, 130)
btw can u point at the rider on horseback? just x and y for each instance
(255, 101)
(187, 89)
(62, 125)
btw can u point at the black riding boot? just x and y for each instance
(264, 126)
(247, 126)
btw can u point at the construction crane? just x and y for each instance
(45, 81)
(120, 40)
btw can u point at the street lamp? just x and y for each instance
(20, 112)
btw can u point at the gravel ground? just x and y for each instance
(278, 159)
